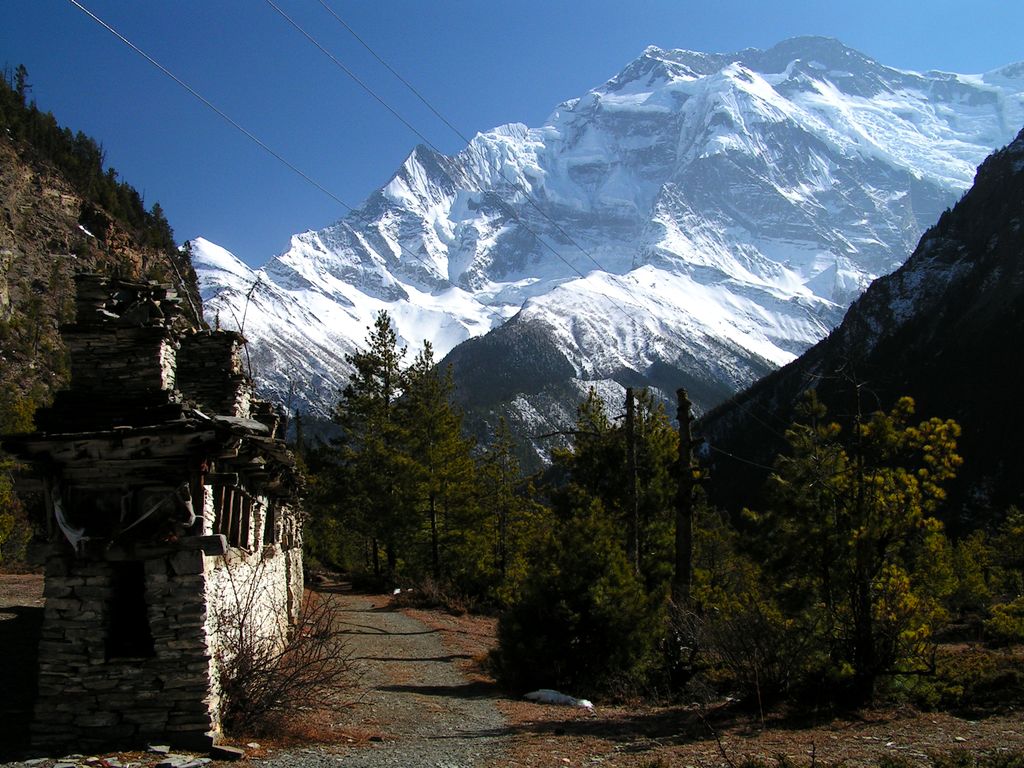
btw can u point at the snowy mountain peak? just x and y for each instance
(699, 217)
(422, 180)
(654, 65)
(1012, 73)
(218, 268)
(828, 52)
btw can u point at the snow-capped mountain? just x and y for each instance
(945, 328)
(699, 218)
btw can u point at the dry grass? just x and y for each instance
(21, 589)
(643, 736)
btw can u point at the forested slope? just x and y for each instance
(61, 212)
(947, 329)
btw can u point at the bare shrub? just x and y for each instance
(743, 646)
(264, 677)
(429, 594)
(762, 653)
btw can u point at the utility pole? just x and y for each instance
(686, 471)
(633, 545)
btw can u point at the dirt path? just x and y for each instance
(418, 708)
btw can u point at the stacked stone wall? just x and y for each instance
(133, 634)
(88, 700)
(211, 372)
(120, 362)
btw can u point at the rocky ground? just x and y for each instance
(422, 697)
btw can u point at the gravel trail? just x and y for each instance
(424, 709)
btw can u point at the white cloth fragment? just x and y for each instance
(74, 535)
(548, 696)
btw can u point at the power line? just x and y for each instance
(469, 146)
(231, 121)
(351, 74)
(269, 150)
(741, 459)
(234, 123)
(501, 318)
(391, 69)
(760, 421)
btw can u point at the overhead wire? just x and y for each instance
(746, 409)
(294, 168)
(501, 318)
(351, 74)
(392, 70)
(446, 161)
(231, 121)
(312, 181)
(741, 459)
(246, 132)
(469, 146)
(218, 111)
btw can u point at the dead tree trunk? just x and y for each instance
(435, 551)
(633, 545)
(685, 481)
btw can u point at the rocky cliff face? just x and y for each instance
(48, 232)
(945, 329)
(698, 219)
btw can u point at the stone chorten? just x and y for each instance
(172, 510)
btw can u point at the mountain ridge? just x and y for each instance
(714, 225)
(943, 328)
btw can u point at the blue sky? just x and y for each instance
(480, 64)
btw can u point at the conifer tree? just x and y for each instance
(852, 528)
(499, 475)
(440, 460)
(588, 615)
(371, 451)
(21, 85)
(512, 517)
(596, 467)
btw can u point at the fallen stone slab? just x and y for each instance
(224, 752)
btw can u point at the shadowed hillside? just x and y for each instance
(946, 328)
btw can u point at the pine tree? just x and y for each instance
(499, 475)
(375, 465)
(512, 518)
(852, 528)
(596, 467)
(21, 85)
(583, 622)
(444, 492)
(593, 606)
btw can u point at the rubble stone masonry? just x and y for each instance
(172, 507)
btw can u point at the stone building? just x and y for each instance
(172, 510)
